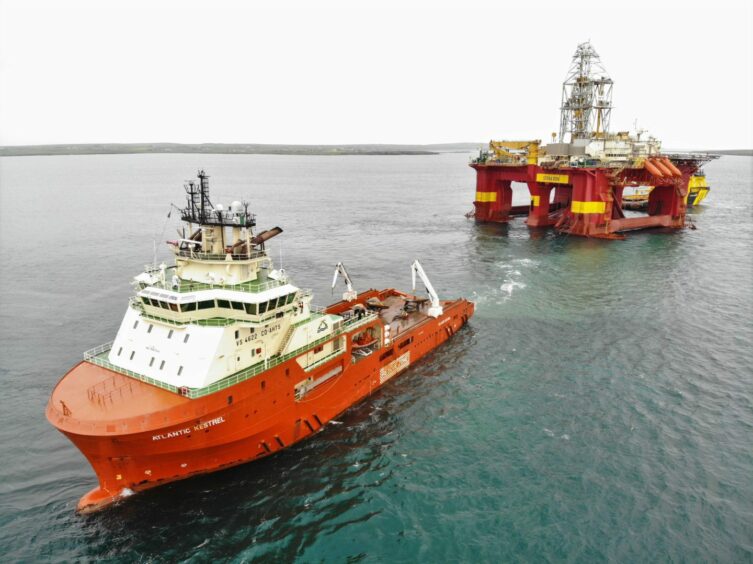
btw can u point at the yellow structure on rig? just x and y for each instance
(515, 151)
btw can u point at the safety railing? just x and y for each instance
(191, 286)
(187, 253)
(96, 351)
(97, 356)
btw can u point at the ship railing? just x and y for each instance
(189, 253)
(192, 286)
(96, 351)
(98, 359)
(104, 363)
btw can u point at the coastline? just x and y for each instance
(229, 148)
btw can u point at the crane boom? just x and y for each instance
(436, 308)
(350, 294)
(516, 150)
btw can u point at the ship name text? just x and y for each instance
(189, 430)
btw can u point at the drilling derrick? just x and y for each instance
(577, 184)
(586, 97)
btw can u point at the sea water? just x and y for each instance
(598, 406)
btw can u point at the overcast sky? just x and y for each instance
(365, 72)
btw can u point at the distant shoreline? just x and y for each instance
(261, 149)
(230, 149)
(733, 152)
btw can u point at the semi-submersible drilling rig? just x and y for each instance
(576, 182)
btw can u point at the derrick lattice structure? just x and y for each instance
(586, 97)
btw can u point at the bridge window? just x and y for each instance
(291, 297)
(262, 307)
(223, 303)
(272, 304)
(207, 304)
(188, 307)
(237, 305)
(251, 309)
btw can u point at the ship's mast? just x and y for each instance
(212, 221)
(586, 97)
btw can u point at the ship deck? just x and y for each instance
(396, 315)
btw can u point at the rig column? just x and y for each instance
(493, 197)
(591, 206)
(538, 216)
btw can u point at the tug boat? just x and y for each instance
(220, 359)
(698, 188)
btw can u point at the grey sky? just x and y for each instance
(358, 72)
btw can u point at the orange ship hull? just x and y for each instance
(142, 436)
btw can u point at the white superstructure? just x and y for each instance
(221, 308)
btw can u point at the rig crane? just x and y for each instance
(435, 310)
(350, 294)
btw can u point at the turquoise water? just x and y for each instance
(599, 406)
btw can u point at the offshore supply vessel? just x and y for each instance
(576, 182)
(220, 359)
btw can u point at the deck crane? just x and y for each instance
(350, 294)
(436, 308)
(515, 151)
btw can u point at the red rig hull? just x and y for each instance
(584, 201)
(148, 436)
